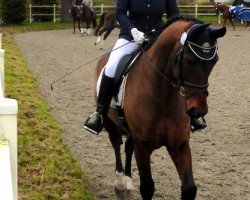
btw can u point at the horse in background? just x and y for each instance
(83, 16)
(88, 17)
(107, 23)
(75, 13)
(167, 85)
(232, 12)
(227, 15)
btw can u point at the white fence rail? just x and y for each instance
(8, 140)
(194, 10)
(54, 7)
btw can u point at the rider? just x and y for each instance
(143, 17)
(78, 2)
(88, 3)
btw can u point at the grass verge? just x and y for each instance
(47, 169)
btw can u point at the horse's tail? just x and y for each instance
(101, 22)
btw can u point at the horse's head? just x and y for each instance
(217, 7)
(194, 63)
(78, 11)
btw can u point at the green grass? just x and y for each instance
(47, 168)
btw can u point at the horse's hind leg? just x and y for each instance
(142, 155)
(107, 33)
(232, 23)
(247, 25)
(181, 156)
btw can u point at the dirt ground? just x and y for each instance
(220, 152)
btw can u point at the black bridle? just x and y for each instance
(179, 82)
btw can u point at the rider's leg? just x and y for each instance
(95, 122)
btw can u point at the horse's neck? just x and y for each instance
(155, 67)
(224, 8)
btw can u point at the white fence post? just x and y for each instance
(8, 141)
(6, 188)
(196, 10)
(102, 8)
(2, 67)
(8, 131)
(30, 13)
(54, 14)
(0, 41)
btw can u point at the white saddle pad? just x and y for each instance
(121, 93)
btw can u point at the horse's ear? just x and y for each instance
(217, 33)
(197, 28)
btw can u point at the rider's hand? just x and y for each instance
(138, 36)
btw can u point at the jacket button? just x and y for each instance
(148, 5)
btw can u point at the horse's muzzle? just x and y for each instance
(196, 113)
(196, 106)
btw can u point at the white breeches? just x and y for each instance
(117, 53)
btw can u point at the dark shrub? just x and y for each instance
(13, 11)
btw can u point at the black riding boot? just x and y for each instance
(94, 123)
(198, 124)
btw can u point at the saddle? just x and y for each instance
(125, 65)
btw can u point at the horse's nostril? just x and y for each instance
(193, 112)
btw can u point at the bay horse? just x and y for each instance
(107, 23)
(83, 16)
(227, 15)
(88, 17)
(166, 86)
(75, 13)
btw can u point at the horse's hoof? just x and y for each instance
(120, 183)
(129, 181)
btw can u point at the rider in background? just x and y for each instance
(78, 2)
(144, 16)
(88, 3)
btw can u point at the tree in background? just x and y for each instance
(45, 10)
(13, 11)
(65, 4)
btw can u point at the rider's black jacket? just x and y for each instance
(144, 15)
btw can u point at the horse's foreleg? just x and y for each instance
(142, 155)
(115, 138)
(181, 156)
(224, 22)
(79, 25)
(129, 149)
(74, 27)
(247, 25)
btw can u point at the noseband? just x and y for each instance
(180, 83)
